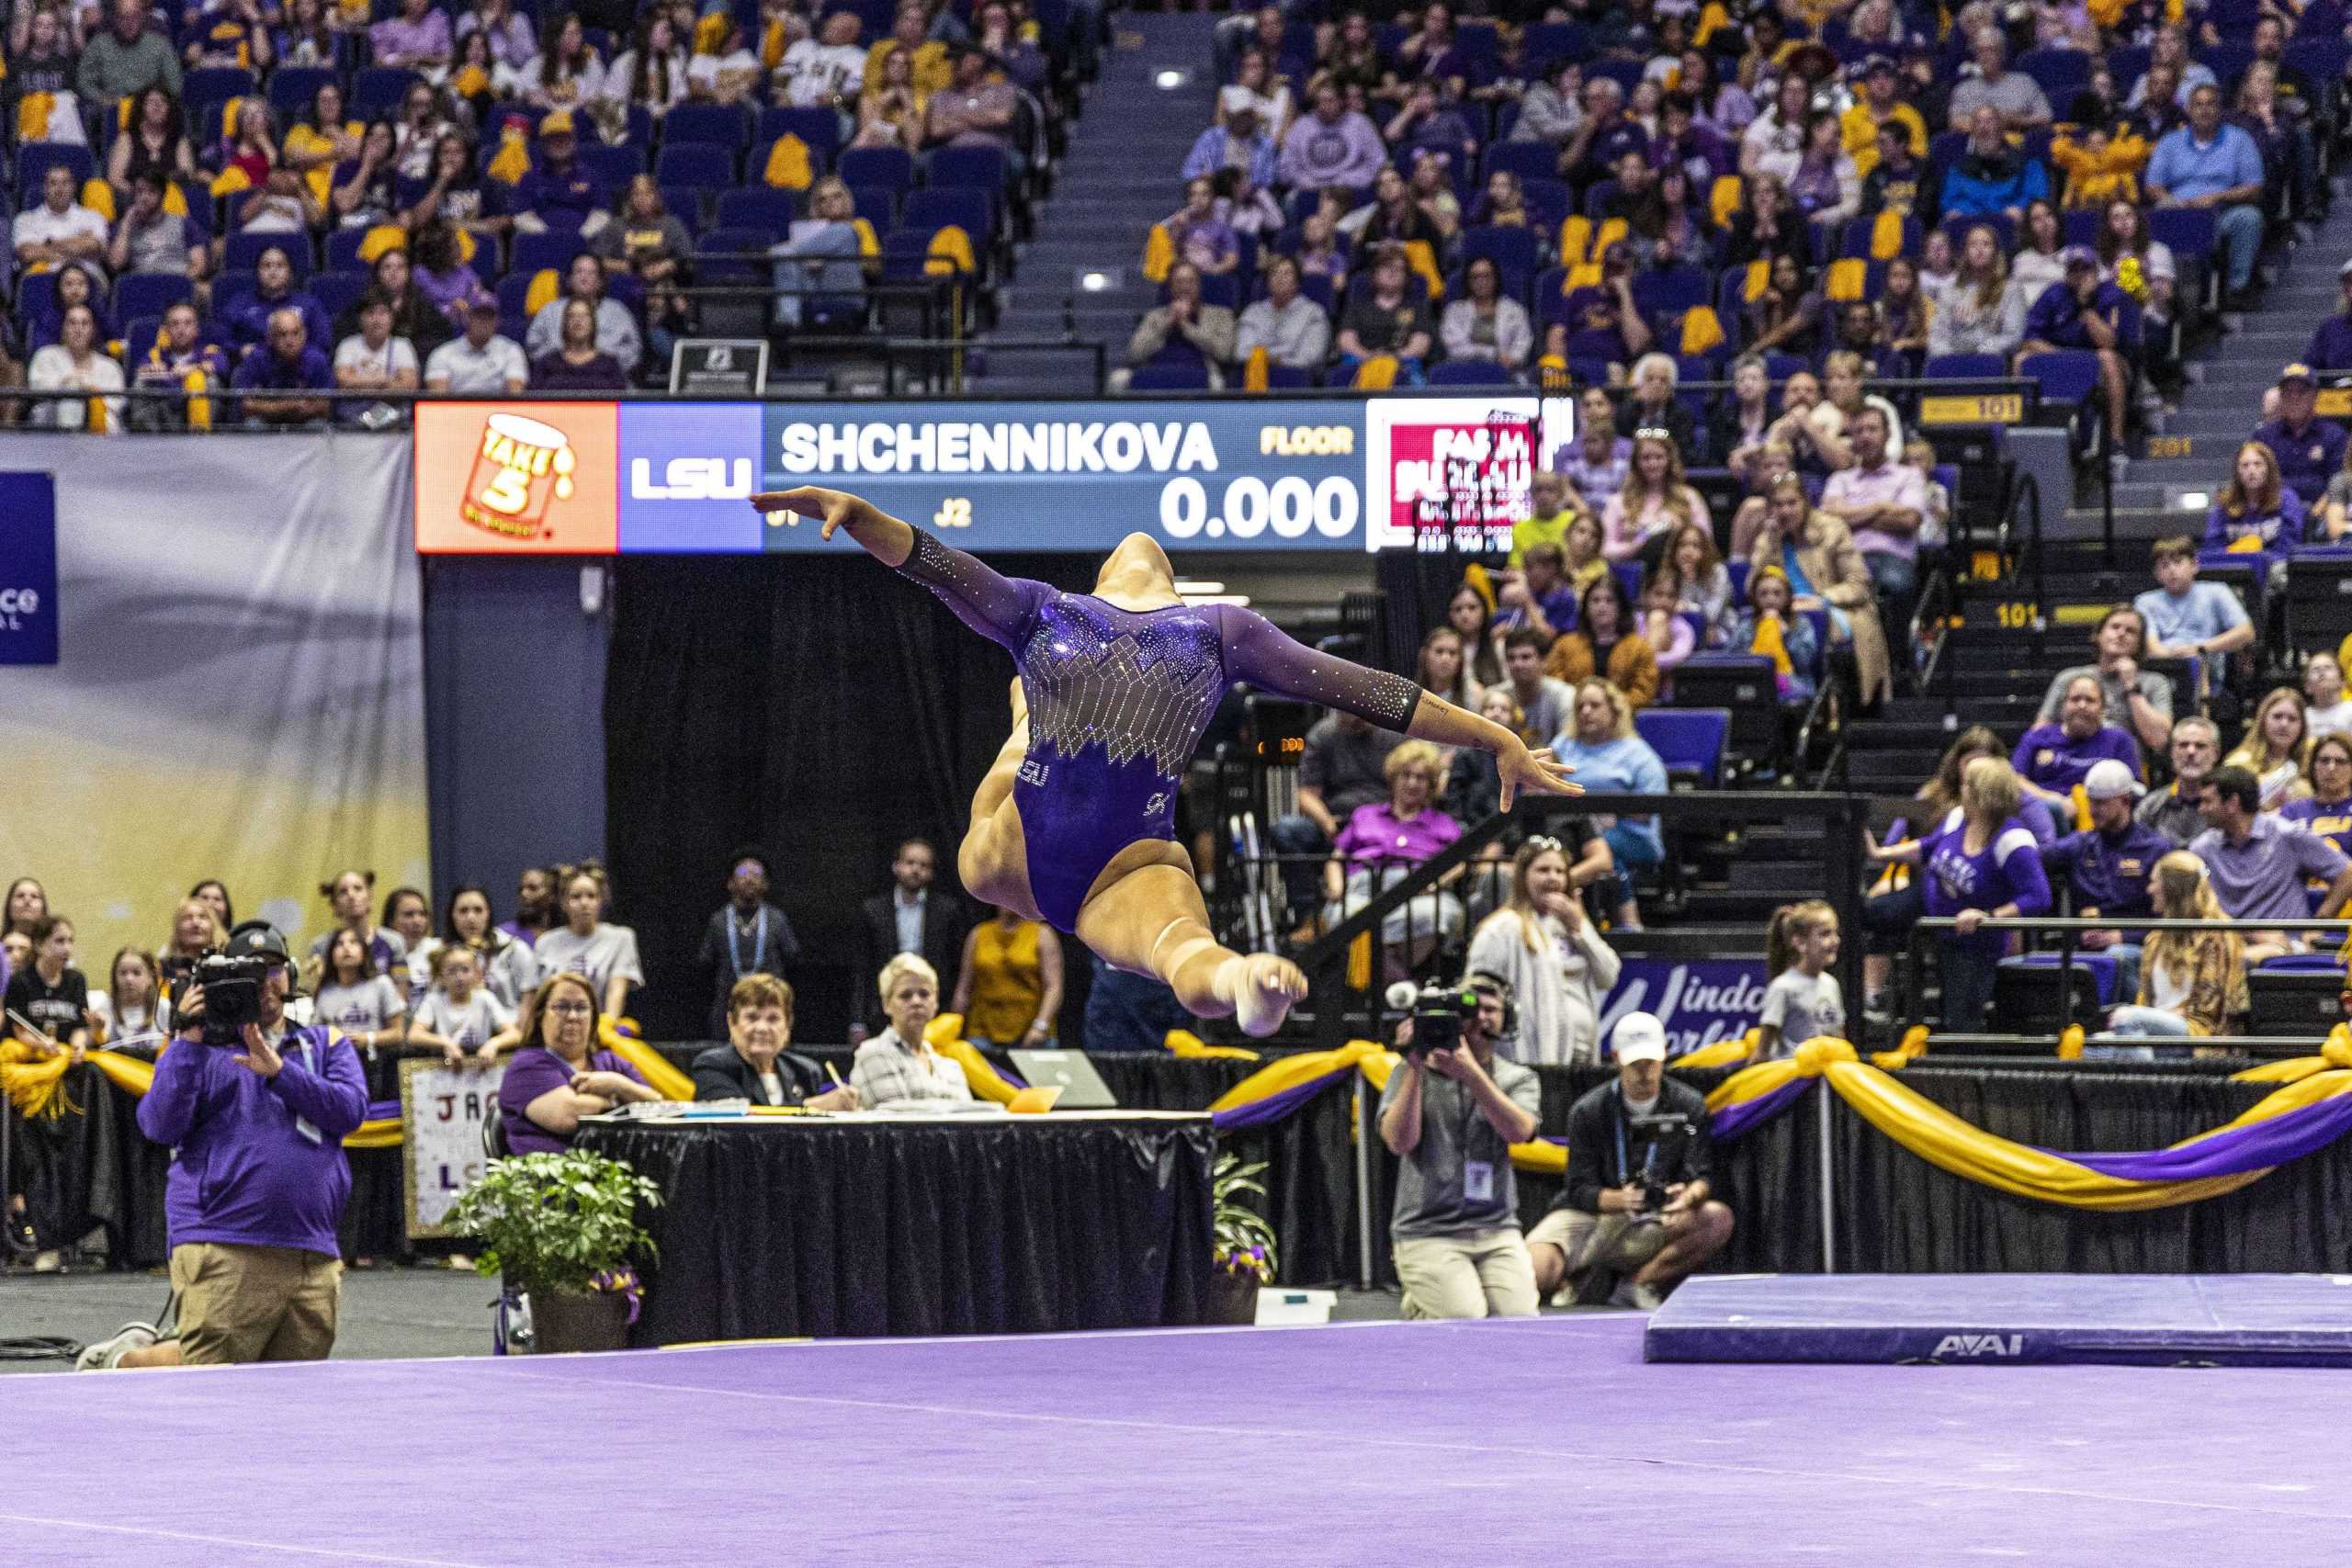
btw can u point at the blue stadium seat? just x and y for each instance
(35, 159)
(906, 255)
(2080, 224)
(375, 93)
(1690, 742)
(149, 293)
(534, 251)
(1471, 373)
(968, 209)
(1670, 291)
(1964, 366)
(1193, 377)
(686, 202)
(342, 250)
(2190, 232)
(215, 84)
(244, 251)
(1512, 250)
(891, 167)
(1288, 377)
(720, 243)
(1528, 160)
(986, 168)
(722, 125)
(699, 163)
(820, 131)
(878, 204)
(2066, 375)
(615, 165)
(291, 88)
(1223, 290)
(759, 207)
(338, 291)
(514, 290)
(1547, 41)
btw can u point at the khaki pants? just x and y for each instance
(1610, 1242)
(1484, 1273)
(255, 1303)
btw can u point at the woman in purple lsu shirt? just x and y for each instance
(1075, 822)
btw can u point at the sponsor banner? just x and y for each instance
(1700, 1000)
(517, 479)
(1323, 474)
(29, 610)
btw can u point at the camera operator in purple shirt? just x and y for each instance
(258, 1180)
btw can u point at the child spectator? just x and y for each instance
(2191, 983)
(1802, 1002)
(459, 1016)
(2189, 619)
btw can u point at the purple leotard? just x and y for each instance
(1117, 701)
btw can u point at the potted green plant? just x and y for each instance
(1243, 1258)
(562, 1228)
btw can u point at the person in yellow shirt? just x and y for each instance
(1874, 106)
(1010, 988)
(933, 70)
(1549, 519)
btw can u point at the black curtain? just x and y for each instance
(1907, 1215)
(819, 706)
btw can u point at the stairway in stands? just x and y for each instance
(1999, 663)
(2222, 405)
(1118, 178)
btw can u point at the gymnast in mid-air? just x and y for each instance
(1075, 822)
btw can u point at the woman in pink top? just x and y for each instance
(1383, 840)
(1654, 501)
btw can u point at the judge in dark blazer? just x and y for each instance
(935, 920)
(753, 1065)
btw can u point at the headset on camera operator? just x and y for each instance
(256, 1113)
(1637, 1203)
(1450, 1114)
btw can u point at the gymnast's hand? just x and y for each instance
(1535, 770)
(838, 509)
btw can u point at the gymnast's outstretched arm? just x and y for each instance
(991, 604)
(1261, 653)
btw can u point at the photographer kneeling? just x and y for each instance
(1647, 1137)
(256, 1115)
(1450, 1114)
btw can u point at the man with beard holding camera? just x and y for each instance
(1449, 1116)
(1645, 1136)
(258, 1180)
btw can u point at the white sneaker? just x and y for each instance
(49, 1262)
(106, 1354)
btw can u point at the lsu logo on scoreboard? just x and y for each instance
(1972, 1346)
(1306, 441)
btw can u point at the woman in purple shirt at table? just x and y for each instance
(1075, 822)
(1980, 861)
(558, 1075)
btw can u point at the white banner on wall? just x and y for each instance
(240, 690)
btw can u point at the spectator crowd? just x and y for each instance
(246, 208)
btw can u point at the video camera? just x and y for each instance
(231, 994)
(233, 978)
(1438, 1013)
(1660, 1139)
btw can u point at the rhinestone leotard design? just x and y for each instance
(1118, 699)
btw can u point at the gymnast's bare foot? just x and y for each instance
(1261, 988)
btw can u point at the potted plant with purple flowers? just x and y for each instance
(562, 1228)
(1243, 1258)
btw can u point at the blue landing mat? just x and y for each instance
(2235, 1320)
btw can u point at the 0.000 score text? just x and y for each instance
(1290, 506)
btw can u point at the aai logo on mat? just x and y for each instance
(28, 569)
(1972, 1346)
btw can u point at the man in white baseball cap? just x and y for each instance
(1635, 1213)
(2107, 865)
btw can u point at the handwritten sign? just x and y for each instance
(442, 1112)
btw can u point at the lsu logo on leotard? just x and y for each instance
(1033, 773)
(1156, 805)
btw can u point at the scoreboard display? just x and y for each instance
(1327, 474)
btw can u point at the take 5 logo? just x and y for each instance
(687, 474)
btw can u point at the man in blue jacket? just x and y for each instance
(258, 1181)
(1990, 176)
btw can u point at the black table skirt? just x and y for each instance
(774, 1229)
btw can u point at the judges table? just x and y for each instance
(878, 1224)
